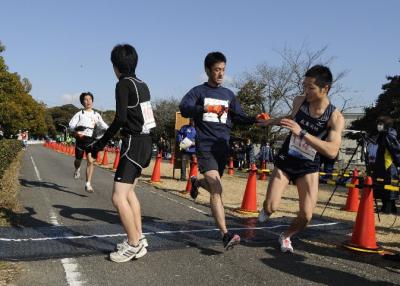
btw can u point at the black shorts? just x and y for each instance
(295, 168)
(212, 160)
(135, 155)
(84, 145)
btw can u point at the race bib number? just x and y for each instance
(148, 117)
(213, 117)
(300, 149)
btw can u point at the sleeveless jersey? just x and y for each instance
(296, 148)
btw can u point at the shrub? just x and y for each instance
(9, 149)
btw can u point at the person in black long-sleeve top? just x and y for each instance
(214, 109)
(134, 116)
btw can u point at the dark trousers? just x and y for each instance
(186, 158)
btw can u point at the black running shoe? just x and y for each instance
(194, 190)
(230, 240)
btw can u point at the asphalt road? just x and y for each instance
(64, 236)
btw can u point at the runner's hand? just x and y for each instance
(218, 109)
(263, 116)
(291, 125)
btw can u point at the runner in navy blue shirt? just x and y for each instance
(214, 109)
(315, 129)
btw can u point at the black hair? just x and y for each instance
(213, 58)
(322, 75)
(83, 94)
(385, 120)
(124, 58)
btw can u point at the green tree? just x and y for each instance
(164, 114)
(388, 103)
(251, 98)
(273, 88)
(108, 116)
(18, 109)
(61, 115)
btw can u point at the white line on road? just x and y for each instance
(155, 233)
(36, 169)
(70, 265)
(72, 273)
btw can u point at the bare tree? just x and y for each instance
(279, 85)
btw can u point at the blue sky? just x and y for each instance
(63, 47)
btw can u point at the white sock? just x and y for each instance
(87, 184)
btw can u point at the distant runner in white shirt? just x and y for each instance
(87, 126)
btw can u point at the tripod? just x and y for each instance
(362, 142)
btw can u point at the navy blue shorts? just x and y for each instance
(212, 160)
(295, 168)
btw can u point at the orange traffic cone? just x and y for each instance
(98, 158)
(105, 157)
(231, 171)
(155, 177)
(193, 172)
(364, 237)
(249, 203)
(263, 175)
(116, 160)
(353, 201)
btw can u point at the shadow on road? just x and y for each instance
(47, 185)
(301, 267)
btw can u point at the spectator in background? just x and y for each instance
(249, 152)
(265, 153)
(240, 154)
(186, 138)
(25, 137)
(387, 161)
(326, 167)
(163, 147)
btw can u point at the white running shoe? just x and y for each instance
(77, 173)
(142, 240)
(263, 217)
(286, 244)
(128, 252)
(89, 189)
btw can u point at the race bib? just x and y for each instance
(148, 117)
(300, 149)
(213, 117)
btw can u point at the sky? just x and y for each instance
(63, 47)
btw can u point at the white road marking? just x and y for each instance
(36, 169)
(153, 233)
(70, 265)
(72, 274)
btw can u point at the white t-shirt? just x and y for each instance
(89, 120)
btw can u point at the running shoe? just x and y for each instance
(128, 252)
(77, 173)
(194, 190)
(230, 240)
(263, 217)
(285, 243)
(142, 240)
(89, 189)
